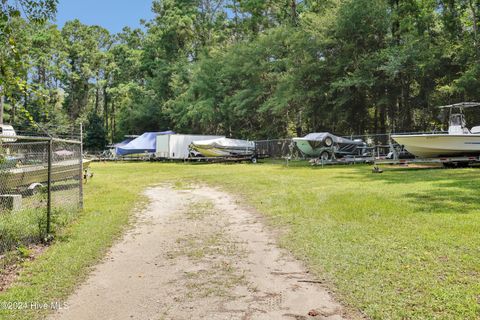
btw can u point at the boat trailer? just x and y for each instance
(231, 159)
(447, 162)
(340, 161)
(371, 154)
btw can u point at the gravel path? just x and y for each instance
(198, 254)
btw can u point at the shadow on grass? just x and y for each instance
(433, 190)
(304, 164)
(430, 189)
(445, 202)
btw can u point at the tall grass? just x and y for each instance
(26, 227)
(21, 228)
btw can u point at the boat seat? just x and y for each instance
(475, 130)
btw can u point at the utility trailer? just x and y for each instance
(370, 155)
(252, 159)
(232, 159)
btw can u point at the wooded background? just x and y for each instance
(251, 69)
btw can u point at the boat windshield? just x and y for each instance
(457, 119)
(457, 124)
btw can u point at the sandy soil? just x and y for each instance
(198, 254)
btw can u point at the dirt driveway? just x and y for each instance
(197, 254)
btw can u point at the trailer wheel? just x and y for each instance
(34, 188)
(324, 156)
(254, 160)
(328, 141)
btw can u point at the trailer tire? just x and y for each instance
(254, 160)
(34, 188)
(324, 156)
(328, 141)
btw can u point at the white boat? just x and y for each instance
(177, 146)
(459, 141)
(223, 147)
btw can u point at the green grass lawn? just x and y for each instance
(404, 244)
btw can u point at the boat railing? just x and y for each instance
(35, 138)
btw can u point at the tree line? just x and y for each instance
(246, 68)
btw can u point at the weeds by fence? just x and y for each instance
(40, 187)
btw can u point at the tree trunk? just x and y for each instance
(408, 117)
(25, 100)
(235, 18)
(396, 24)
(475, 26)
(383, 115)
(293, 12)
(2, 101)
(97, 97)
(298, 125)
(14, 113)
(105, 109)
(113, 120)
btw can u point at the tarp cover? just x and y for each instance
(123, 143)
(146, 143)
(225, 143)
(320, 136)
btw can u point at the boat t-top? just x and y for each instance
(459, 141)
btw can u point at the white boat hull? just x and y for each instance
(438, 145)
(224, 147)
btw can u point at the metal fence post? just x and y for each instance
(80, 189)
(49, 184)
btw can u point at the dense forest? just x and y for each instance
(243, 68)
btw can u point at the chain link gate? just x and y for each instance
(278, 149)
(41, 187)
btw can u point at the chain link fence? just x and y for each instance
(278, 149)
(376, 145)
(40, 188)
